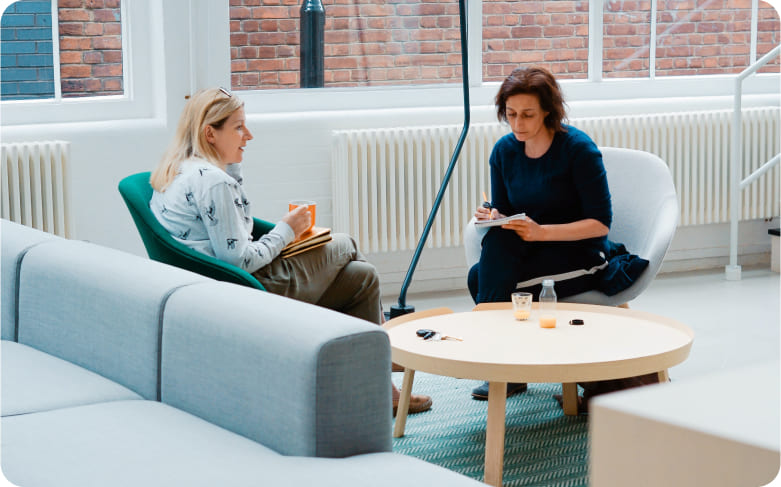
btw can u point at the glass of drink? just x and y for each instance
(522, 305)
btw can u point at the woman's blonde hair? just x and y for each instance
(206, 107)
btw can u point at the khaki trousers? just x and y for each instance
(335, 276)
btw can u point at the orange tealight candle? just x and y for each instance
(547, 321)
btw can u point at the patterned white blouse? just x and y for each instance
(206, 209)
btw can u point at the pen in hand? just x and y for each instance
(486, 204)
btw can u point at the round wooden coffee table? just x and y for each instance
(612, 343)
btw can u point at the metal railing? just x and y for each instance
(732, 271)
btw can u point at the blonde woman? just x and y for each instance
(199, 198)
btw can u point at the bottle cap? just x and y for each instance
(547, 282)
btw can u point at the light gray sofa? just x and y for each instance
(120, 371)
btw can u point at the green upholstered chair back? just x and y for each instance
(162, 247)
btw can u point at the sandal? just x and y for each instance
(417, 404)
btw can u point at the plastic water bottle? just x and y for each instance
(547, 305)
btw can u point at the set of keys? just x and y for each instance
(427, 334)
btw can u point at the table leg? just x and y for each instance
(664, 376)
(569, 395)
(401, 411)
(494, 433)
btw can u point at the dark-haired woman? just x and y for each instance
(554, 174)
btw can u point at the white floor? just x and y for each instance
(736, 323)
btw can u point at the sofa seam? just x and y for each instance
(18, 282)
(160, 318)
(73, 406)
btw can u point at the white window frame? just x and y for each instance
(594, 89)
(140, 71)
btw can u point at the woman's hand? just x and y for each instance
(527, 229)
(298, 219)
(483, 213)
(531, 231)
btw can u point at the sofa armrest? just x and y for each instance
(298, 378)
(15, 242)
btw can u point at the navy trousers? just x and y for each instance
(508, 264)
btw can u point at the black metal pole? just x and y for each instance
(402, 308)
(312, 44)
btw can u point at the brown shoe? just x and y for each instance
(396, 367)
(417, 404)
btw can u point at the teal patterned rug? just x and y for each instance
(543, 447)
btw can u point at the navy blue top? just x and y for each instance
(568, 183)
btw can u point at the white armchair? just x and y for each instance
(645, 216)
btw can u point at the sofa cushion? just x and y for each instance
(98, 308)
(15, 240)
(132, 443)
(33, 381)
(126, 443)
(299, 378)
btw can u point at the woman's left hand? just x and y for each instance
(527, 229)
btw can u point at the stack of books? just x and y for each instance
(316, 237)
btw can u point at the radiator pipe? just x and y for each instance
(402, 307)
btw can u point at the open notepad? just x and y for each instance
(499, 221)
(312, 239)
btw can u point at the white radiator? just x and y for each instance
(385, 180)
(35, 185)
(696, 147)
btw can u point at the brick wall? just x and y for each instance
(90, 47)
(693, 37)
(553, 34)
(395, 42)
(26, 48)
(366, 42)
(402, 42)
(768, 36)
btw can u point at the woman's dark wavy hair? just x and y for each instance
(534, 81)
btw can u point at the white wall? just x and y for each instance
(290, 156)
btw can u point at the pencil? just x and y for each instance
(486, 204)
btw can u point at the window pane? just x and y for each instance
(90, 47)
(26, 32)
(366, 43)
(552, 33)
(710, 36)
(626, 40)
(768, 35)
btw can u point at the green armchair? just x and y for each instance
(162, 247)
